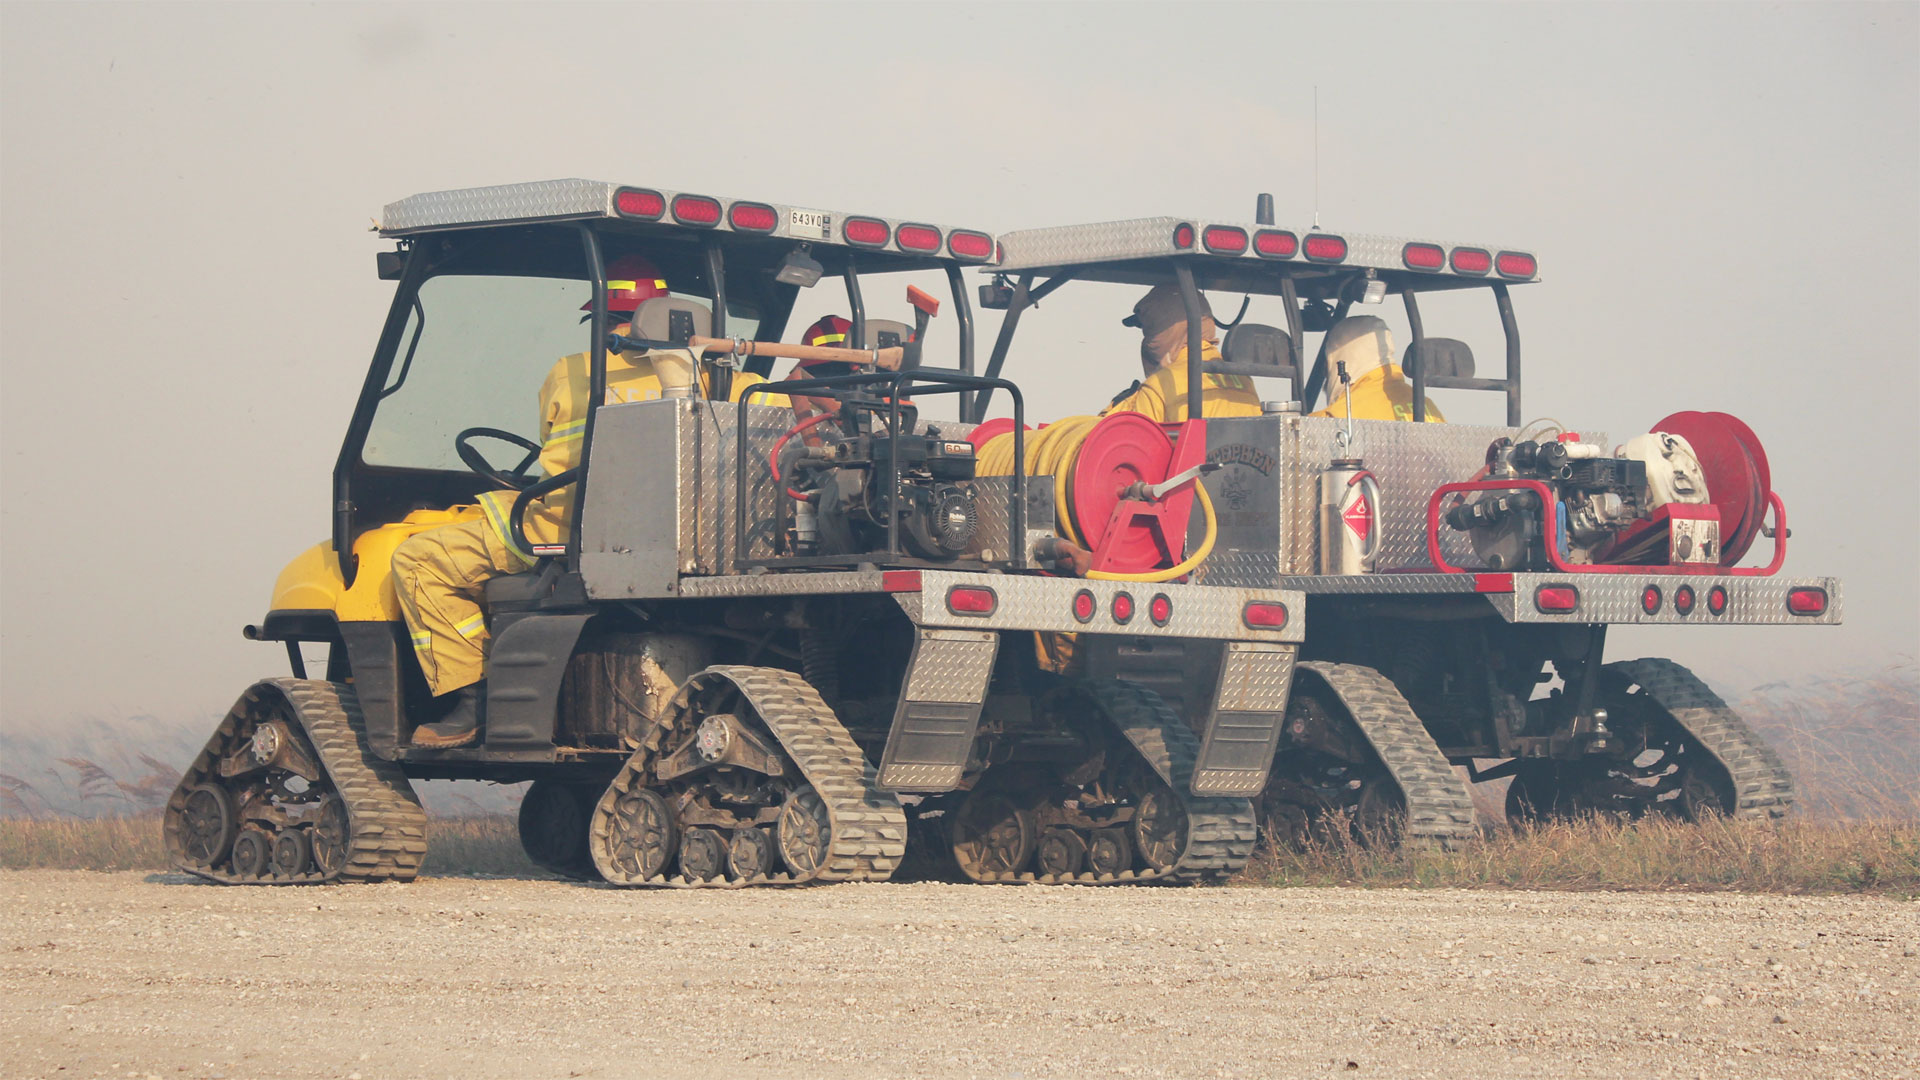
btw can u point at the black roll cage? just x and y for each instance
(1297, 285)
(353, 478)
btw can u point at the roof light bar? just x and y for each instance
(1275, 244)
(696, 210)
(1473, 261)
(640, 203)
(1516, 264)
(865, 232)
(1326, 248)
(752, 217)
(917, 238)
(967, 244)
(1423, 257)
(1225, 240)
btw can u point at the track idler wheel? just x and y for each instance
(329, 840)
(749, 854)
(292, 853)
(252, 852)
(1160, 828)
(803, 832)
(642, 840)
(1061, 851)
(703, 853)
(1109, 851)
(207, 825)
(992, 835)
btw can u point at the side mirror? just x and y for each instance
(390, 264)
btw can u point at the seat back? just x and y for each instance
(1256, 351)
(1439, 358)
(670, 318)
(887, 334)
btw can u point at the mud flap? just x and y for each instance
(1243, 727)
(1761, 784)
(1439, 807)
(939, 710)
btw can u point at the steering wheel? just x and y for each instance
(516, 477)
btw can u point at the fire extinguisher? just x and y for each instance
(1349, 518)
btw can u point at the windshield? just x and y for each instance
(475, 351)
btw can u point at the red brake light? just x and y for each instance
(1262, 615)
(1683, 599)
(1326, 248)
(1423, 256)
(1471, 261)
(696, 210)
(1807, 601)
(971, 600)
(1160, 609)
(866, 232)
(1122, 608)
(1556, 599)
(1224, 240)
(1275, 244)
(1183, 236)
(641, 204)
(1717, 600)
(1083, 606)
(1650, 599)
(751, 217)
(918, 237)
(1516, 264)
(966, 244)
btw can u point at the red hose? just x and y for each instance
(773, 458)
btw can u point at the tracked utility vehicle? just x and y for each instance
(1460, 579)
(771, 649)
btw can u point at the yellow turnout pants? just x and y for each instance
(439, 576)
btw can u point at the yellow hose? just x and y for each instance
(1053, 451)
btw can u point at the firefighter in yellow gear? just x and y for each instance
(1378, 388)
(440, 575)
(1161, 318)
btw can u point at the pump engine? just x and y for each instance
(843, 502)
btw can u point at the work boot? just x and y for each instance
(460, 725)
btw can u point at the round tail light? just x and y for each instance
(1160, 609)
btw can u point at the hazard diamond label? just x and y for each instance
(1359, 518)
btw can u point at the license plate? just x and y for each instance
(811, 224)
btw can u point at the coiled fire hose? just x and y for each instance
(1054, 451)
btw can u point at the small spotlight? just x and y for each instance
(799, 268)
(1376, 290)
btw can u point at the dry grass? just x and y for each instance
(472, 845)
(1655, 853)
(1658, 853)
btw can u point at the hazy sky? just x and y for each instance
(1725, 200)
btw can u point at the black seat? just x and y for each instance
(1439, 357)
(1256, 351)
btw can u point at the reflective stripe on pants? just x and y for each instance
(439, 576)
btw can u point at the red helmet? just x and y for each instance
(630, 279)
(828, 330)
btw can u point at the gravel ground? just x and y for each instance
(135, 975)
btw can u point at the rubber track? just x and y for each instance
(1221, 830)
(1439, 807)
(869, 828)
(386, 826)
(1763, 788)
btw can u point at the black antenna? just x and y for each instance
(1316, 156)
(1263, 209)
